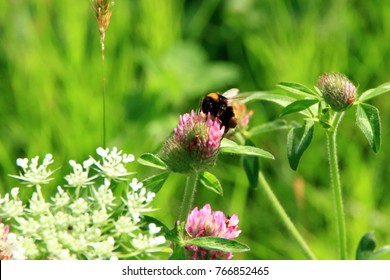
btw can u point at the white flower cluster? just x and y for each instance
(93, 224)
(33, 173)
(113, 165)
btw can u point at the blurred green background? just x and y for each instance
(161, 58)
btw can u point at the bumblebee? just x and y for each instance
(219, 106)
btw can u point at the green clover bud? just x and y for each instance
(338, 91)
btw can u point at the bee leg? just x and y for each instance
(232, 122)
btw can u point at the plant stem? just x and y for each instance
(39, 192)
(336, 187)
(285, 218)
(188, 196)
(103, 94)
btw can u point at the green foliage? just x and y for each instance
(152, 161)
(211, 182)
(231, 147)
(297, 89)
(298, 106)
(217, 243)
(374, 92)
(367, 119)
(366, 249)
(154, 183)
(298, 140)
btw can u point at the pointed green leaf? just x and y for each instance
(297, 89)
(366, 249)
(152, 160)
(366, 246)
(154, 183)
(228, 143)
(298, 106)
(279, 99)
(251, 166)
(231, 147)
(211, 182)
(368, 120)
(298, 140)
(371, 93)
(217, 243)
(269, 127)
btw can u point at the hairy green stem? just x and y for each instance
(285, 218)
(188, 197)
(336, 187)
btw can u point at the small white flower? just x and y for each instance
(81, 221)
(54, 248)
(156, 241)
(125, 225)
(22, 162)
(102, 152)
(37, 205)
(61, 198)
(100, 216)
(11, 207)
(66, 255)
(104, 196)
(79, 177)
(104, 249)
(26, 248)
(128, 158)
(79, 206)
(153, 229)
(93, 234)
(15, 193)
(140, 242)
(35, 174)
(48, 159)
(145, 243)
(113, 163)
(88, 163)
(135, 185)
(29, 227)
(79, 244)
(138, 202)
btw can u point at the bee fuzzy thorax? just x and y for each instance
(214, 96)
(219, 107)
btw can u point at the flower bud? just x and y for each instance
(194, 145)
(338, 91)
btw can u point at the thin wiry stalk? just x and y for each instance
(102, 9)
(336, 187)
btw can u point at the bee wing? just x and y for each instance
(231, 93)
